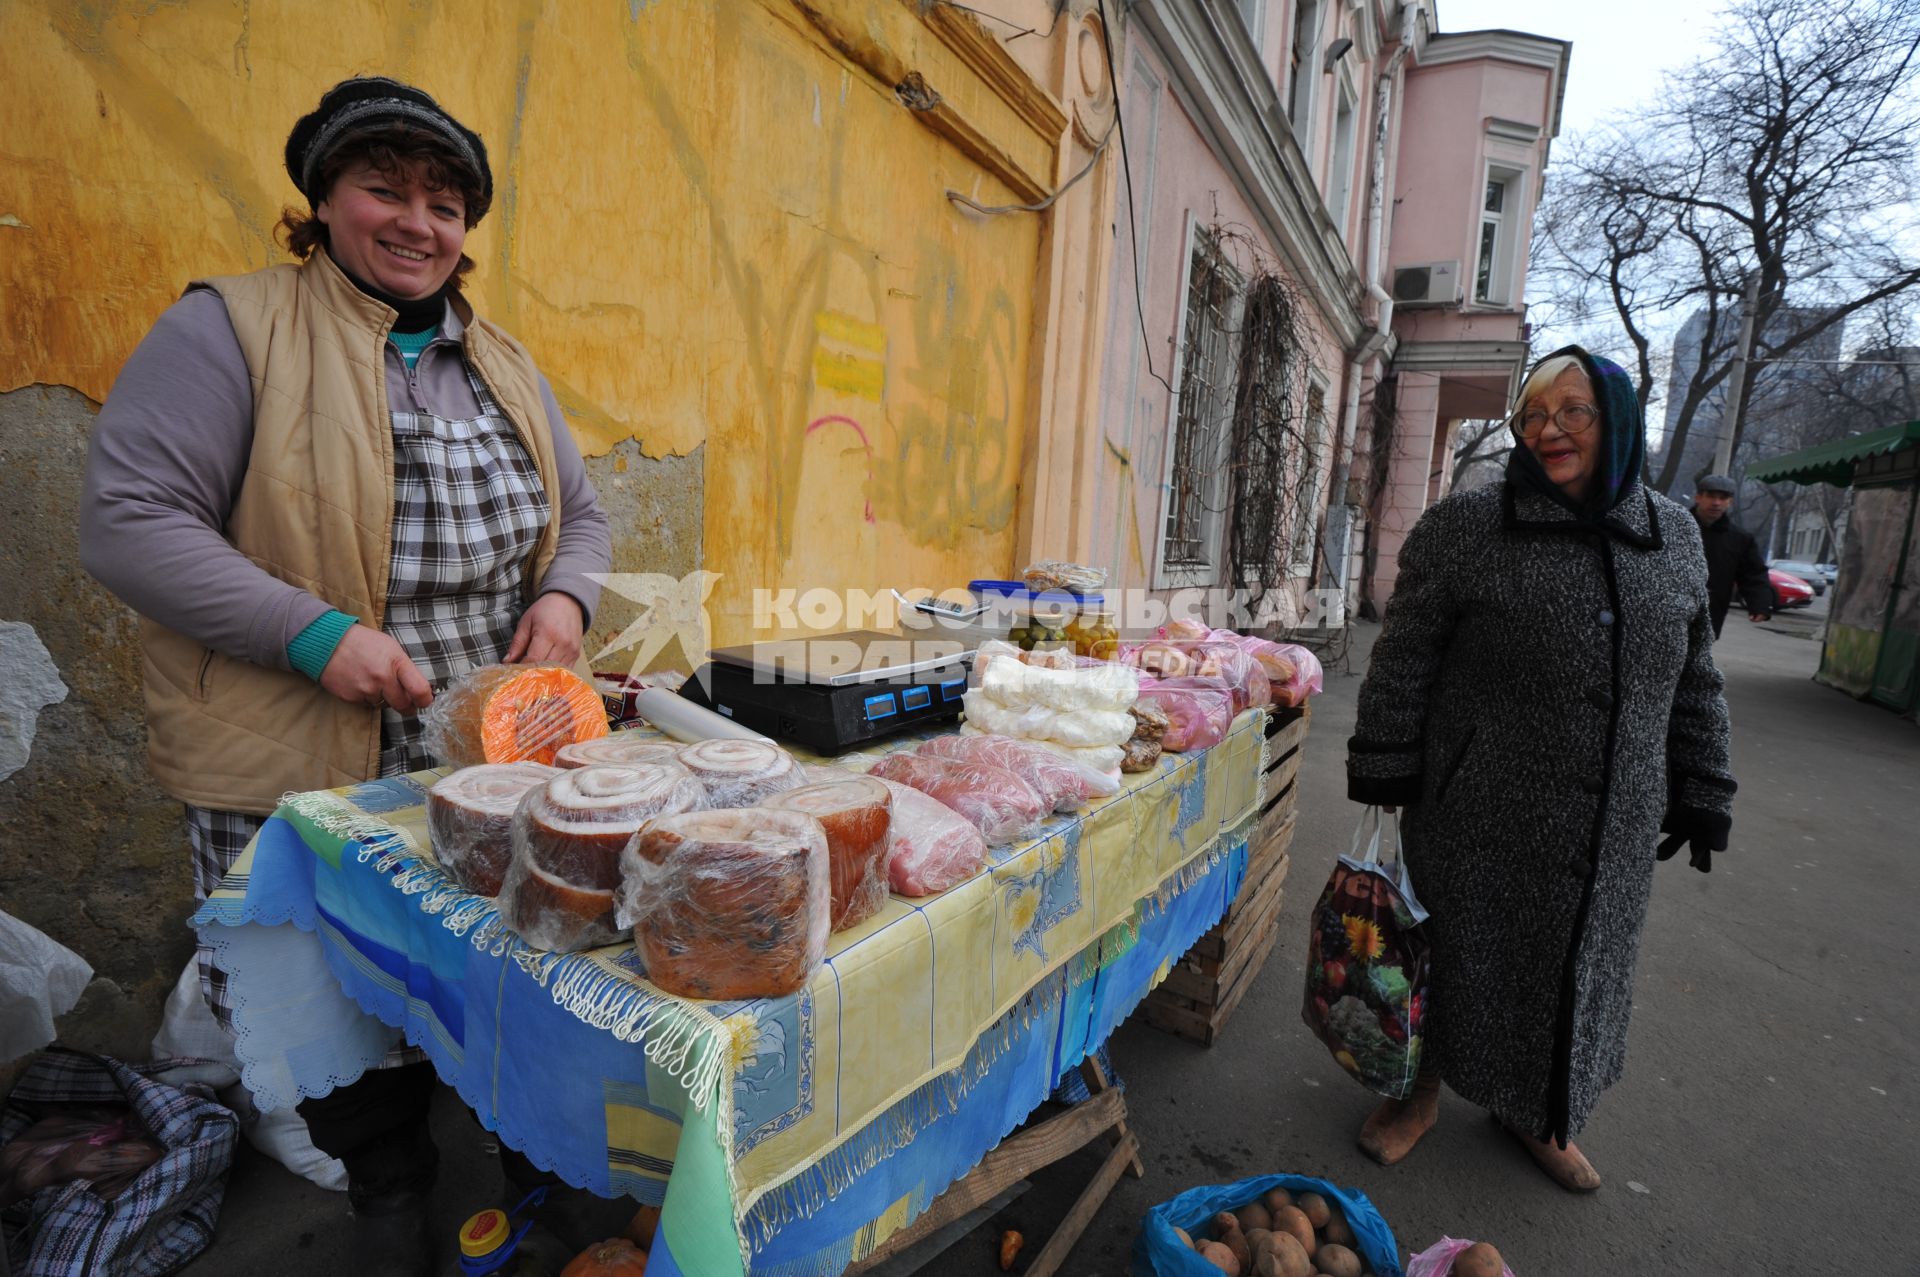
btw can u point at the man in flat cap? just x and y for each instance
(1733, 557)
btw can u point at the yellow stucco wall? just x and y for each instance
(715, 225)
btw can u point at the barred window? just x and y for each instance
(1196, 488)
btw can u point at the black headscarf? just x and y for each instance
(1622, 441)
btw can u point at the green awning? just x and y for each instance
(1832, 462)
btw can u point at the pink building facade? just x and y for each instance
(1348, 150)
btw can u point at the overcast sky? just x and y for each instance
(1620, 47)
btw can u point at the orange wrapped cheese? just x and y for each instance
(470, 820)
(741, 773)
(728, 904)
(567, 839)
(857, 814)
(622, 749)
(512, 713)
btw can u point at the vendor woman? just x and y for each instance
(329, 488)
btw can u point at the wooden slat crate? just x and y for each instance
(1205, 987)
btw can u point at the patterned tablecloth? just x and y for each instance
(780, 1136)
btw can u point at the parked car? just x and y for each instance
(1831, 571)
(1789, 590)
(1808, 572)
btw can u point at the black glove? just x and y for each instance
(1704, 832)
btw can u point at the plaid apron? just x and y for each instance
(468, 509)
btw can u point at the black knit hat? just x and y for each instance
(372, 101)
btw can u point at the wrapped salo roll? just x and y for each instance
(856, 813)
(470, 820)
(728, 905)
(741, 773)
(622, 749)
(567, 839)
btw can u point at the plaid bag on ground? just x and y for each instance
(1367, 966)
(147, 1227)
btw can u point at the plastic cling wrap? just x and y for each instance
(1104, 759)
(1066, 785)
(931, 846)
(511, 714)
(1101, 685)
(622, 749)
(1140, 754)
(470, 820)
(741, 773)
(1199, 715)
(567, 839)
(1001, 805)
(729, 904)
(857, 814)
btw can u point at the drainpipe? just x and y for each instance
(1339, 513)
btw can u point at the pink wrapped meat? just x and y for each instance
(931, 847)
(1199, 712)
(1065, 785)
(998, 803)
(1235, 666)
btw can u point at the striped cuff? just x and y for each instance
(312, 647)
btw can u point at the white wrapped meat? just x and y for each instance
(1102, 687)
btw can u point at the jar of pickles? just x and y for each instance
(1094, 634)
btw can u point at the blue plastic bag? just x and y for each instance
(1158, 1253)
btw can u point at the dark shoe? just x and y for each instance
(390, 1237)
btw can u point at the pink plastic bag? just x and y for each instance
(1307, 678)
(1064, 784)
(1199, 712)
(931, 847)
(998, 803)
(1437, 1259)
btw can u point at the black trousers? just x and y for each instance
(377, 1126)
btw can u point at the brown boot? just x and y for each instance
(1567, 1167)
(1396, 1126)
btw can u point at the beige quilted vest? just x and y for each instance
(315, 510)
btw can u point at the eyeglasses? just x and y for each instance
(1574, 419)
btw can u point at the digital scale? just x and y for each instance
(833, 692)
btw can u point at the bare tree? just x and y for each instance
(1773, 163)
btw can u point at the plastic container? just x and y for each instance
(1039, 618)
(496, 1243)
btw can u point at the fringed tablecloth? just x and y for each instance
(780, 1136)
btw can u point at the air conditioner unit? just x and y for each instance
(1431, 284)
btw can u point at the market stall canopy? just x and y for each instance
(1833, 461)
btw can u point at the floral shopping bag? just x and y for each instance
(1367, 965)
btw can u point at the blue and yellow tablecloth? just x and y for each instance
(780, 1136)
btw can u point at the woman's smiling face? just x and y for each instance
(393, 230)
(1569, 457)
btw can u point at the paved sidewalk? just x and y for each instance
(1766, 1122)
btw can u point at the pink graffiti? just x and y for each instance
(851, 424)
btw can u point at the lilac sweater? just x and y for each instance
(168, 455)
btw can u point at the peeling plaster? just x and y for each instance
(29, 682)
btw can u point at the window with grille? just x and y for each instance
(1196, 483)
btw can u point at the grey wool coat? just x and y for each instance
(1543, 701)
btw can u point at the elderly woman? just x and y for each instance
(329, 488)
(1543, 701)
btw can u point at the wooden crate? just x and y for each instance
(1205, 987)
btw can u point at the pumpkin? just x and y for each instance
(616, 1257)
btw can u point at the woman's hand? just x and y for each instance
(369, 668)
(548, 631)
